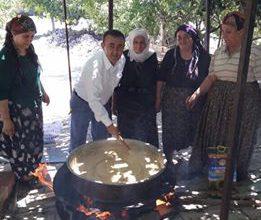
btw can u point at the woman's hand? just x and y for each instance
(192, 100)
(8, 127)
(46, 99)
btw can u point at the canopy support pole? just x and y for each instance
(207, 35)
(110, 8)
(237, 110)
(67, 45)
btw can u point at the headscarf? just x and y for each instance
(235, 18)
(196, 50)
(20, 24)
(146, 53)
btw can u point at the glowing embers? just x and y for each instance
(87, 209)
(96, 212)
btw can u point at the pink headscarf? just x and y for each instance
(20, 24)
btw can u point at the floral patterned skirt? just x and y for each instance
(215, 123)
(24, 149)
(178, 123)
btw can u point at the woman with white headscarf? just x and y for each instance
(136, 94)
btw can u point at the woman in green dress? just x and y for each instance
(21, 94)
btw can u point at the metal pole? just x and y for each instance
(110, 8)
(207, 35)
(237, 111)
(67, 45)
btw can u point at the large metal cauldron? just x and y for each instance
(108, 171)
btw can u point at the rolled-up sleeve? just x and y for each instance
(93, 87)
(5, 78)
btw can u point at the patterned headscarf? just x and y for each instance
(235, 18)
(196, 50)
(146, 53)
(20, 24)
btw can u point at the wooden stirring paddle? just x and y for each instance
(120, 138)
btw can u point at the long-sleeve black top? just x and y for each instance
(178, 77)
(138, 82)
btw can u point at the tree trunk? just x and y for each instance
(53, 24)
(162, 33)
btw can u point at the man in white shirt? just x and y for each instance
(89, 102)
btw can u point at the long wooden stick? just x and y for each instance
(124, 142)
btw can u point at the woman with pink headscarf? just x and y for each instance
(221, 86)
(21, 94)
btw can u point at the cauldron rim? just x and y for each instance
(117, 184)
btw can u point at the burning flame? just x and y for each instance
(103, 215)
(165, 199)
(41, 173)
(163, 204)
(98, 214)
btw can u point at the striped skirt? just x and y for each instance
(215, 122)
(24, 149)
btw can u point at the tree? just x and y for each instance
(9, 9)
(159, 17)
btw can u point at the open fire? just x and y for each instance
(89, 208)
(70, 201)
(41, 172)
(162, 205)
(92, 209)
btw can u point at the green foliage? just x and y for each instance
(9, 9)
(54, 9)
(159, 17)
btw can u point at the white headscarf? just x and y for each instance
(146, 53)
